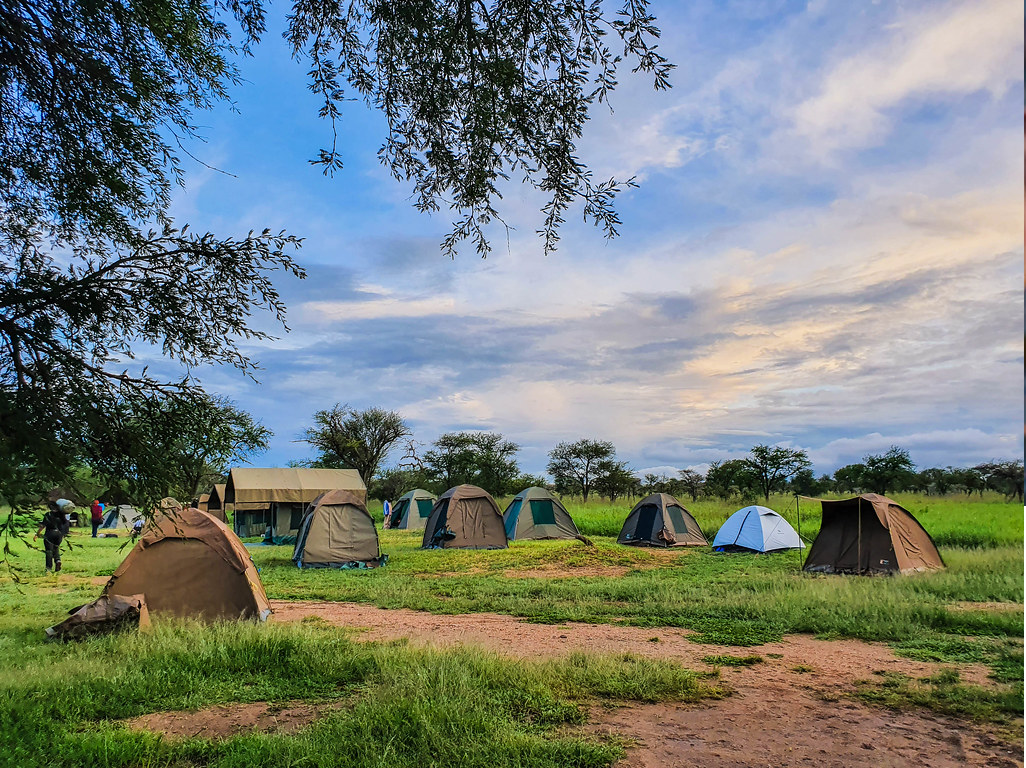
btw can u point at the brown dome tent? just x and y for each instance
(871, 534)
(660, 520)
(465, 517)
(189, 564)
(337, 531)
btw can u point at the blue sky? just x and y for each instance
(825, 252)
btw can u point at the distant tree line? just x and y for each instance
(349, 438)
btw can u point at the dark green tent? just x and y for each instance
(412, 510)
(660, 520)
(535, 513)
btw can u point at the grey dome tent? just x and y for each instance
(756, 529)
(337, 531)
(123, 515)
(412, 510)
(871, 534)
(465, 517)
(660, 520)
(535, 513)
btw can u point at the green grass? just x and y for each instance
(413, 707)
(416, 707)
(726, 660)
(944, 693)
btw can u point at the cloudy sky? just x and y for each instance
(825, 252)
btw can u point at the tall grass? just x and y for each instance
(405, 707)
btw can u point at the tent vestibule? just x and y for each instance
(871, 534)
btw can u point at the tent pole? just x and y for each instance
(859, 569)
(798, 510)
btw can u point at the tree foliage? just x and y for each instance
(615, 480)
(476, 93)
(773, 466)
(484, 459)
(360, 440)
(573, 466)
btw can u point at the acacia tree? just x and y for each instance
(773, 466)
(693, 482)
(891, 470)
(614, 480)
(574, 465)
(484, 459)
(348, 438)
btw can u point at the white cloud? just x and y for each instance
(955, 50)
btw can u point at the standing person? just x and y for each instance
(388, 514)
(54, 527)
(96, 517)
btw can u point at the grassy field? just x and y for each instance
(413, 707)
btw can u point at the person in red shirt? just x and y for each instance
(97, 515)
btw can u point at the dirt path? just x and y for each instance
(779, 716)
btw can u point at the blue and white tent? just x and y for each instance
(759, 529)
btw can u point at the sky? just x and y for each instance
(825, 252)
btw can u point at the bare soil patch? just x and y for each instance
(228, 720)
(788, 711)
(562, 572)
(967, 605)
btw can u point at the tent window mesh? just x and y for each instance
(677, 518)
(542, 512)
(297, 517)
(424, 507)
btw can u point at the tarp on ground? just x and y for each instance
(871, 534)
(660, 520)
(758, 529)
(105, 614)
(412, 510)
(534, 513)
(337, 532)
(465, 517)
(187, 563)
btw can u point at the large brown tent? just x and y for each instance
(189, 564)
(273, 500)
(660, 520)
(871, 534)
(337, 532)
(465, 517)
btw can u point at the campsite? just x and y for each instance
(548, 652)
(527, 383)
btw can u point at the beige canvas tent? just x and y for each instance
(215, 502)
(270, 502)
(871, 534)
(660, 520)
(189, 564)
(337, 532)
(465, 517)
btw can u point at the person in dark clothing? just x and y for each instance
(96, 515)
(54, 528)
